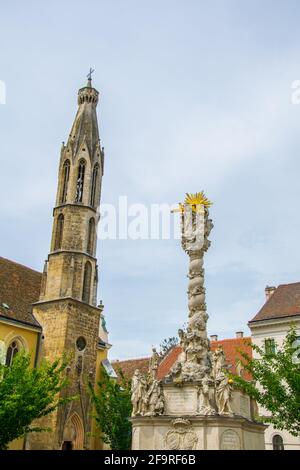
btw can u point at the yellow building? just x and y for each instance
(55, 312)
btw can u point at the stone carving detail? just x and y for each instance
(230, 440)
(146, 395)
(153, 363)
(205, 391)
(181, 436)
(222, 383)
(138, 390)
(195, 362)
(218, 362)
(223, 394)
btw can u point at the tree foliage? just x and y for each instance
(112, 401)
(167, 344)
(276, 382)
(26, 394)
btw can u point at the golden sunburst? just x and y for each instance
(197, 199)
(194, 200)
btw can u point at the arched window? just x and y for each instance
(87, 282)
(91, 236)
(65, 181)
(59, 232)
(277, 442)
(12, 350)
(94, 184)
(80, 181)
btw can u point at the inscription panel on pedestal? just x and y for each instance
(230, 440)
(181, 401)
(245, 406)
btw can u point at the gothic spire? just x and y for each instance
(84, 131)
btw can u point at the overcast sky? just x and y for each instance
(194, 95)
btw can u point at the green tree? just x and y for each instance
(276, 382)
(167, 344)
(112, 401)
(26, 394)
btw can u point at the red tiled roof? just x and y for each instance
(284, 302)
(230, 348)
(130, 365)
(168, 361)
(19, 288)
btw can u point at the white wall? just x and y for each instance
(277, 329)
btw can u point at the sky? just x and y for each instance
(194, 95)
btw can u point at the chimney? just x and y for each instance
(239, 334)
(269, 291)
(214, 337)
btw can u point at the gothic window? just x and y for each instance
(59, 232)
(80, 181)
(12, 350)
(94, 184)
(91, 236)
(87, 282)
(277, 442)
(65, 181)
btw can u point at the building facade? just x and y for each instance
(269, 328)
(59, 313)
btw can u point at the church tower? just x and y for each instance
(67, 308)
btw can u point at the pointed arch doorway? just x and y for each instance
(73, 437)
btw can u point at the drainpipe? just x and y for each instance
(38, 347)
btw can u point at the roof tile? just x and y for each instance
(284, 302)
(19, 288)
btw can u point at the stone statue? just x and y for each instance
(138, 390)
(223, 394)
(205, 407)
(219, 362)
(146, 395)
(153, 363)
(154, 399)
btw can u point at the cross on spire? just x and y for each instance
(89, 75)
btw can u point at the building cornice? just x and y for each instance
(273, 321)
(72, 299)
(20, 323)
(79, 205)
(76, 252)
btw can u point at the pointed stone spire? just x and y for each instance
(84, 131)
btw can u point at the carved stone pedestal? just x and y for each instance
(192, 430)
(197, 433)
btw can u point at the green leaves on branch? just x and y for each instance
(112, 402)
(275, 382)
(28, 393)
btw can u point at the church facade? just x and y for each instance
(58, 311)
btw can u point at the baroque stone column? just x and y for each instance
(195, 361)
(195, 406)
